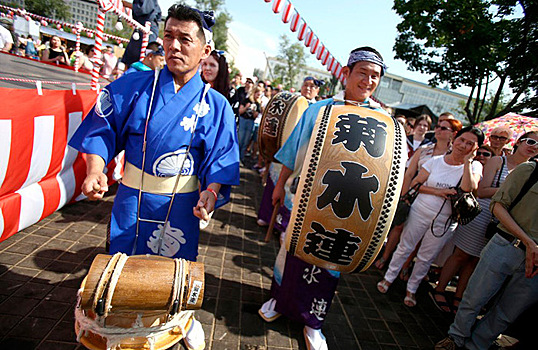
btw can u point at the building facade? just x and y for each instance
(394, 90)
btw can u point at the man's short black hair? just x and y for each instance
(185, 13)
(364, 48)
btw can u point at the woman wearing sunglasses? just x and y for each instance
(444, 133)
(499, 137)
(470, 239)
(484, 154)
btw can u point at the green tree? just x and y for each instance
(222, 19)
(48, 8)
(293, 57)
(476, 43)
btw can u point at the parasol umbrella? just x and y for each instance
(519, 124)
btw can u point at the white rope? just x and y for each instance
(114, 281)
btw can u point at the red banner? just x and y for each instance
(39, 173)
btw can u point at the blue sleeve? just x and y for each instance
(221, 161)
(97, 134)
(101, 132)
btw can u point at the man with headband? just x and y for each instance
(154, 59)
(297, 285)
(181, 153)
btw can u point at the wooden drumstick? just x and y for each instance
(272, 223)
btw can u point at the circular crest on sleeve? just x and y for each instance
(104, 106)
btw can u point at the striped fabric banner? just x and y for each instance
(295, 21)
(39, 173)
(288, 12)
(277, 6)
(302, 31)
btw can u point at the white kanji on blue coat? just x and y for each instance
(172, 240)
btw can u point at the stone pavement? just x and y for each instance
(42, 266)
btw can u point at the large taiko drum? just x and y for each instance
(137, 302)
(348, 188)
(279, 118)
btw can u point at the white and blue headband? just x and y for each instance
(368, 56)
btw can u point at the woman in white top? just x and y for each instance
(430, 213)
(444, 134)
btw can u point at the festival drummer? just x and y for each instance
(301, 291)
(178, 136)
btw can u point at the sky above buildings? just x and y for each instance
(341, 25)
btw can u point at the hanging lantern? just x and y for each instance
(59, 26)
(119, 25)
(44, 23)
(136, 36)
(121, 45)
(90, 35)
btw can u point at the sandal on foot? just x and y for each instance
(380, 263)
(440, 304)
(410, 300)
(383, 286)
(267, 311)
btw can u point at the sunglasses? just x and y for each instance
(483, 153)
(499, 138)
(529, 141)
(443, 128)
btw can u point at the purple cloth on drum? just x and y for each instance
(306, 292)
(266, 208)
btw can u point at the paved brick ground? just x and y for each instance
(42, 267)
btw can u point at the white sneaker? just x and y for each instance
(267, 311)
(314, 339)
(194, 340)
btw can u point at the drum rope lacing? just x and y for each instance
(115, 335)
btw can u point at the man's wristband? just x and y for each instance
(212, 191)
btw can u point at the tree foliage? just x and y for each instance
(222, 19)
(48, 8)
(294, 58)
(480, 44)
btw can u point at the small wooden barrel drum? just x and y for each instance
(348, 189)
(136, 302)
(279, 118)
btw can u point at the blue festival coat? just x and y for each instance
(117, 123)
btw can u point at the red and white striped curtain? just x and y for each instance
(39, 173)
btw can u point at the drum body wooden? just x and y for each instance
(348, 188)
(138, 292)
(279, 118)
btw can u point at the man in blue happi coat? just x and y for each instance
(301, 291)
(190, 132)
